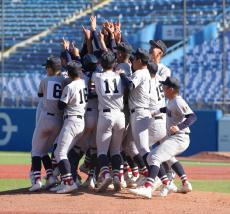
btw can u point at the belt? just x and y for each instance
(51, 114)
(158, 118)
(89, 109)
(133, 110)
(180, 133)
(78, 116)
(109, 110)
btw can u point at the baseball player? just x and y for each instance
(139, 99)
(73, 102)
(179, 117)
(157, 50)
(111, 120)
(48, 124)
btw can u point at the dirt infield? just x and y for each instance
(22, 202)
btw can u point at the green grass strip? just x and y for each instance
(13, 184)
(199, 163)
(222, 186)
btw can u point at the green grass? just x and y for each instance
(210, 185)
(13, 184)
(198, 163)
(15, 158)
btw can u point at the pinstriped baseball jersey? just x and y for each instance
(109, 90)
(51, 87)
(163, 71)
(75, 96)
(139, 96)
(177, 108)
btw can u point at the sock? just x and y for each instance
(47, 163)
(103, 164)
(149, 182)
(153, 171)
(36, 166)
(141, 165)
(162, 175)
(87, 160)
(116, 164)
(145, 160)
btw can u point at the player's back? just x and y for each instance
(50, 88)
(109, 90)
(75, 96)
(157, 98)
(139, 97)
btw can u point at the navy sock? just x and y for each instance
(153, 171)
(139, 161)
(36, 163)
(178, 168)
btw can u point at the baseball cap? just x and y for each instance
(53, 62)
(159, 44)
(124, 47)
(152, 67)
(171, 82)
(107, 58)
(142, 54)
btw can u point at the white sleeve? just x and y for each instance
(65, 95)
(136, 79)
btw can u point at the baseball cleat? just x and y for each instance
(35, 187)
(89, 183)
(116, 183)
(66, 188)
(50, 182)
(131, 182)
(185, 188)
(104, 184)
(143, 191)
(56, 172)
(167, 189)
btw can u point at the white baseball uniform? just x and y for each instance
(75, 96)
(111, 119)
(163, 71)
(139, 100)
(173, 144)
(50, 119)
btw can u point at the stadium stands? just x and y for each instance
(25, 18)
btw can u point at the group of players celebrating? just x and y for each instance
(117, 106)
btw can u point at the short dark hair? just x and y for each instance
(107, 60)
(143, 55)
(74, 69)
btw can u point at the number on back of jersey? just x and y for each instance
(111, 86)
(54, 90)
(83, 95)
(160, 92)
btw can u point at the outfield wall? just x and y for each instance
(17, 125)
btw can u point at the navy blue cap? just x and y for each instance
(124, 47)
(53, 62)
(159, 44)
(171, 82)
(152, 67)
(142, 54)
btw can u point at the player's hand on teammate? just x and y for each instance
(93, 23)
(74, 50)
(174, 129)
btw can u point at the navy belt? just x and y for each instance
(133, 110)
(158, 118)
(78, 116)
(51, 114)
(89, 109)
(109, 110)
